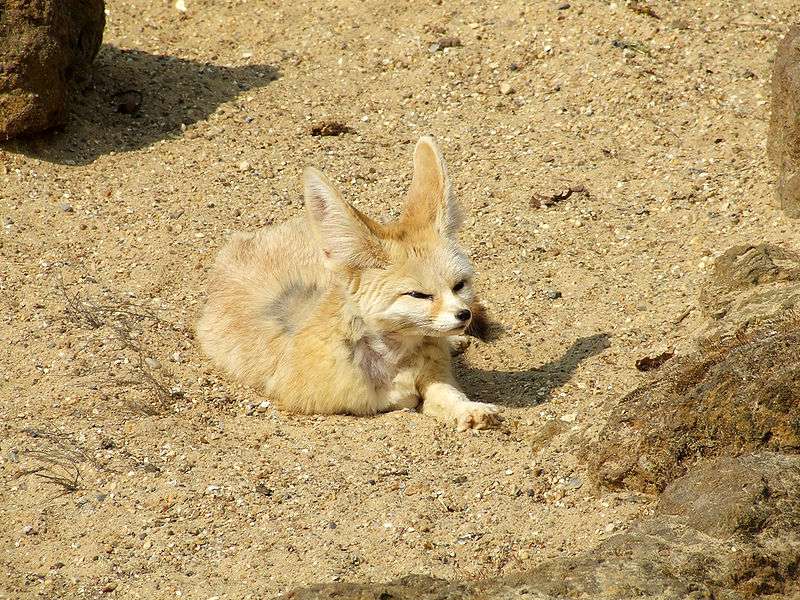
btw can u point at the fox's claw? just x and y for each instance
(478, 415)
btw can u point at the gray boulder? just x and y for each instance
(749, 285)
(784, 126)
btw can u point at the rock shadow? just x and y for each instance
(533, 386)
(133, 99)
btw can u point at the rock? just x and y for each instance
(750, 496)
(109, 587)
(685, 552)
(43, 45)
(733, 397)
(746, 266)
(784, 125)
(748, 285)
(553, 294)
(505, 88)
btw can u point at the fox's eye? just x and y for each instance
(420, 295)
(459, 286)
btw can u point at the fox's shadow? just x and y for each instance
(132, 99)
(533, 386)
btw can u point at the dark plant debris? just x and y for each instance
(538, 200)
(643, 9)
(329, 128)
(651, 363)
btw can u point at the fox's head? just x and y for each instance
(409, 276)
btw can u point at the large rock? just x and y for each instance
(729, 530)
(43, 45)
(753, 497)
(733, 397)
(749, 285)
(784, 126)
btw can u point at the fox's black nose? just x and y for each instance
(463, 315)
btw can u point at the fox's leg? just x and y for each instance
(441, 397)
(403, 393)
(402, 400)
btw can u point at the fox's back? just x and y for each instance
(263, 286)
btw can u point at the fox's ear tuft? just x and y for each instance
(430, 201)
(348, 236)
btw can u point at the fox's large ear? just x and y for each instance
(349, 237)
(430, 203)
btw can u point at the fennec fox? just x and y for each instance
(336, 313)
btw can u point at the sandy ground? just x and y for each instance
(130, 468)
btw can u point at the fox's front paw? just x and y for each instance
(477, 415)
(459, 344)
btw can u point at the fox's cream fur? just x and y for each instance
(336, 313)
